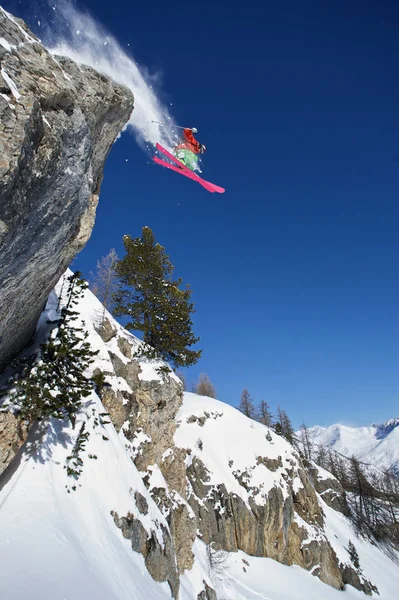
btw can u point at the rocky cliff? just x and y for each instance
(58, 122)
(215, 474)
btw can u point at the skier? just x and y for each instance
(188, 150)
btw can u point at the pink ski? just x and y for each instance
(180, 168)
(190, 175)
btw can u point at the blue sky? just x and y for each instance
(294, 268)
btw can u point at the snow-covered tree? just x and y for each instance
(53, 383)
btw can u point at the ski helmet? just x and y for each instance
(194, 130)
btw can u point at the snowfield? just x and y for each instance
(60, 544)
(377, 445)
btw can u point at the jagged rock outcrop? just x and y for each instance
(58, 122)
(148, 409)
(264, 504)
(269, 529)
(286, 523)
(146, 413)
(328, 487)
(159, 558)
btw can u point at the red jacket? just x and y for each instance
(190, 143)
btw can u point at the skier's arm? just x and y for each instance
(189, 136)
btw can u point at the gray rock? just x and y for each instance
(141, 503)
(159, 560)
(355, 579)
(114, 404)
(106, 330)
(329, 489)
(207, 593)
(54, 139)
(152, 407)
(124, 347)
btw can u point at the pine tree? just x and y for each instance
(246, 404)
(354, 556)
(54, 384)
(104, 282)
(264, 414)
(204, 386)
(154, 301)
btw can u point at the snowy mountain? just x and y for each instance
(377, 445)
(179, 497)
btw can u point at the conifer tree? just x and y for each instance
(264, 414)
(354, 556)
(54, 384)
(154, 301)
(204, 386)
(246, 404)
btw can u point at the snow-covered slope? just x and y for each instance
(56, 543)
(227, 442)
(377, 445)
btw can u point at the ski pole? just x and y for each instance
(175, 126)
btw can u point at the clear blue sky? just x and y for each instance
(294, 269)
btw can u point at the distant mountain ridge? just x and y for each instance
(377, 445)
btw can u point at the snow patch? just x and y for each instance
(11, 84)
(6, 45)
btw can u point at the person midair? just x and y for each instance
(189, 149)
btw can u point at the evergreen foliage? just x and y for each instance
(53, 383)
(74, 462)
(353, 555)
(154, 302)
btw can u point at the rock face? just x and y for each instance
(58, 122)
(144, 410)
(282, 519)
(13, 434)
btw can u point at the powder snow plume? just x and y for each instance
(77, 35)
